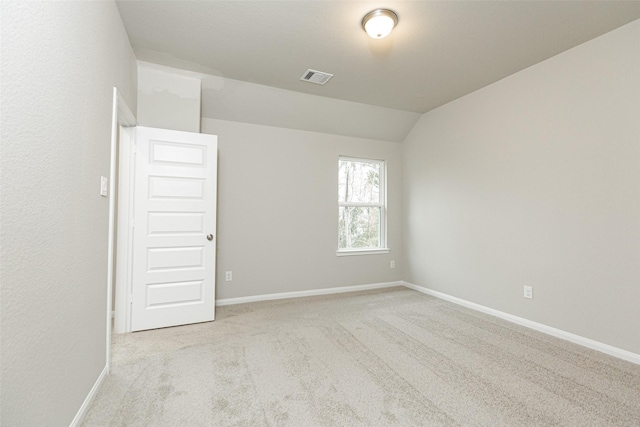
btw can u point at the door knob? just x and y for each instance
(209, 237)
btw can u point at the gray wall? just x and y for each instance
(168, 98)
(535, 180)
(60, 61)
(233, 100)
(278, 210)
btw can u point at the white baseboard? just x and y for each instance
(87, 401)
(558, 333)
(310, 293)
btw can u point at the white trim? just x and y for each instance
(126, 173)
(112, 219)
(382, 203)
(360, 205)
(361, 159)
(558, 333)
(350, 252)
(121, 115)
(77, 420)
(309, 293)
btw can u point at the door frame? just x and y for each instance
(122, 122)
(125, 222)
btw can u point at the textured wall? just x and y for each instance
(278, 210)
(535, 180)
(60, 61)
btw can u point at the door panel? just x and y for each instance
(176, 188)
(167, 294)
(177, 154)
(176, 258)
(170, 223)
(175, 210)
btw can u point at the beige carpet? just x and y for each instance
(378, 358)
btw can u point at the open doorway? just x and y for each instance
(122, 122)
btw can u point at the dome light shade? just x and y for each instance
(379, 23)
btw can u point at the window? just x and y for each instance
(361, 206)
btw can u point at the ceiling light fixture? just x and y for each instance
(379, 23)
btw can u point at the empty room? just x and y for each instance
(320, 213)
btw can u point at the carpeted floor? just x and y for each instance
(376, 358)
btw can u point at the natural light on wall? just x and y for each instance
(379, 23)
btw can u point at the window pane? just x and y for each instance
(359, 227)
(358, 182)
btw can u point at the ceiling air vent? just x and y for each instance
(317, 77)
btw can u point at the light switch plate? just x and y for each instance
(104, 186)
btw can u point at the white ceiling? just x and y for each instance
(439, 51)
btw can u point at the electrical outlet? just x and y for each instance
(528, 292)
(228, 276)
(392, 264)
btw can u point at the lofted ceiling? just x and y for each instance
(439, 51)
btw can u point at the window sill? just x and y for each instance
(351, 252)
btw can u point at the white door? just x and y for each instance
(174, 242)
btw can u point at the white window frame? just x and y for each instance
(382, 249)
